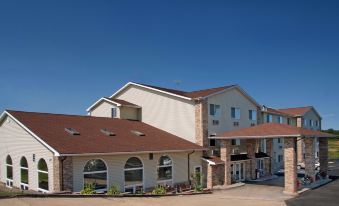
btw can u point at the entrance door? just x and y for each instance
(260, 168)
(239, 171)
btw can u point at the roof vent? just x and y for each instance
(72, 131)
(107, 132)
(137, 133)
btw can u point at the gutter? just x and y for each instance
(188, 166)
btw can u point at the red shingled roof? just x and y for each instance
(192, 94)
(298, 111)
(271, 130)
(275, 111)
(51, 129)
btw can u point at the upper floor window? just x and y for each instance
(114, 112)
(214, 110)
(311, 122)
(235, 113)
(269, 118)
(305, 122)
(252, 115)
(316, 123)
(288, 121)
(280, 119)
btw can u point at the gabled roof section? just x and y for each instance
(50, 128)
(117, 102)
(274, 111)
(298, 111)
(271, 130)
(204, 93)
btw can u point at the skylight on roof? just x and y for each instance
(137, 133)
(107, 132)
(72, 131)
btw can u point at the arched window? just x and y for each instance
(24, 173)
(42, 176)
(9, 170)
(165, 176)
(133, 171)
(95, 173)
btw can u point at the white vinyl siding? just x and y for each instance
(166, 112)
(116, 163)
(16, 142)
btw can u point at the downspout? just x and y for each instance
(62, 159)
(188, 167)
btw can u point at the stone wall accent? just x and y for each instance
(56, 174)
(248, 170)
(309, 157)
(269, 152)
(267, 166)
(300, 150)
(68, 174)
(218, 174)
(323, 155)
(251, 165)
(207, 174)
(299, 122)
(201, 123)
(225, 155)
(290, 161)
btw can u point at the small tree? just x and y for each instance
(197, 181)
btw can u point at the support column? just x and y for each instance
(300, 150)
(209, 176)
(323, 156)
(201, 123)
(309, 158)
(269, 152)
(290, 161)
(225, 155)
(250, 145)
(56, 174)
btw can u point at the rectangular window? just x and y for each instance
(305, 122)
(316, 123)
(114, 112)
(280, 119)
(212, 142)
(268, 118)
(288, 121)
(252, 115)
(215, 110)
(235, 113)
(235, 142)
(311, 123)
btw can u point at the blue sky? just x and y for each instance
(61, 56)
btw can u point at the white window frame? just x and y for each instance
(280, 119)
(143, 176)
(242, 175)
(9, 182)
(311, 122)
(237, 113)
(216, 110)
(95, 172)
(305, 122)
(263, 145)
(115, 109)
(269, 118)
(164, 182)
(40, 189)
(24, 186)
(253, 115)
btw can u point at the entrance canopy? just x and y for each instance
(270, 130)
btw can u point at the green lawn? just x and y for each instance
(333, 148)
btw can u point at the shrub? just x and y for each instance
(159, 190)
(88, 189)
(196, 180)
(114, 190)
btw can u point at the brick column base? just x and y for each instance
(225, 155)
(309, 157)
(323, 156)
(290, 161)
